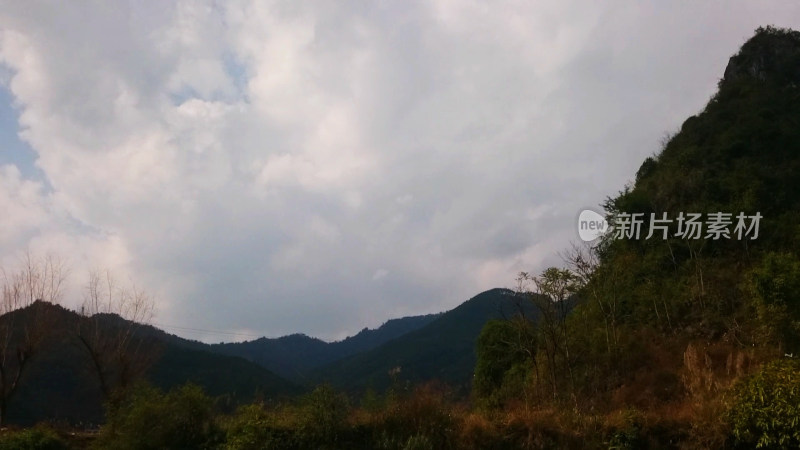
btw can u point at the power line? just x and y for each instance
(201, 330)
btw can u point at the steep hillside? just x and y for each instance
(660, 310)
(740, 155)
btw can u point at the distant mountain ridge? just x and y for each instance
(296, 355)
(58, 383)
(60, 386)
(442, 350)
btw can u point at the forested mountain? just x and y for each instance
(294, 356)
(443, 350)
(59, 381)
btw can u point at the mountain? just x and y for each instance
(58, 383)
(740, 155)
(442, 350)
(296, 355)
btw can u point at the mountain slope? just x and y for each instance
(294, 356)
(443, 350)
(741, 154)
(59, 384)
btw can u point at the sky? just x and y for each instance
(266, 168)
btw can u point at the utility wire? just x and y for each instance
(201, 330)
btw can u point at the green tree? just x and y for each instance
(506, 355)
(323, 415)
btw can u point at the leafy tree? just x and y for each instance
(506, 351)
(323, 413)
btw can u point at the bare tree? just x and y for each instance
(25, 320)
(112, 315)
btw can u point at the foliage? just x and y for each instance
(505, 350)
(150, 419)
(38, 438)
(443, 350)
(775, 284)
(629, 436)
(766, 412)
(255, 428)
(418, 419)
(322, 416)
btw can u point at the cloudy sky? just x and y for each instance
(274, 167)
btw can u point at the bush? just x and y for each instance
(322, 416)
(420, 419)
(766, 411)
(38, 438)
(150, 419)
(255, 428)
(775, 285)
(629, 436)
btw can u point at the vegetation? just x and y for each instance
(149, 419)
(294, 357)
(668, 325)
(38, 438)
(767, 409)
(443, 350)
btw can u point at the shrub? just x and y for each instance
(255, 428)
(150, 419)
(38, 438)
(629, 436)
(775, 285)
(766, 410)
(421, 418)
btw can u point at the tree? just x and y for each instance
(550, 293)
(601, 285)
(112, 315)
(506, 356)
(25, 321)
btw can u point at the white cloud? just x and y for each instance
(255, 162)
